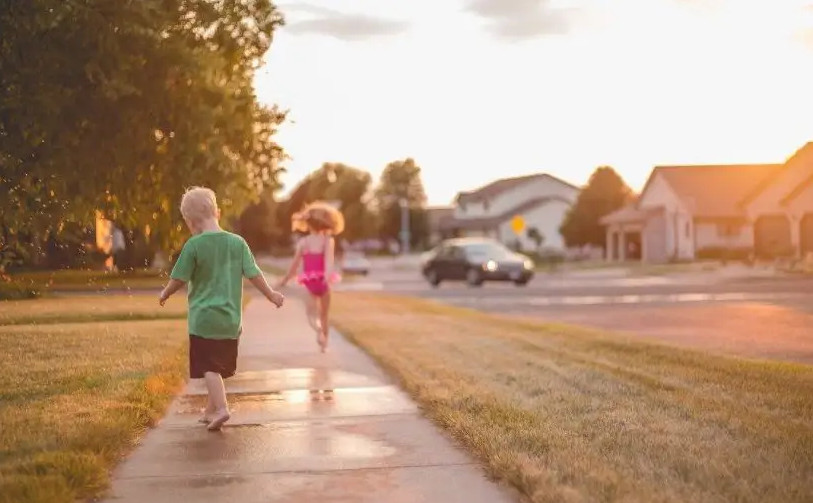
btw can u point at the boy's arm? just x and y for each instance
(173, 286)
(261, 284)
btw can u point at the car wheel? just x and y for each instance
(433, 277)
(522, 282)
(474, 277)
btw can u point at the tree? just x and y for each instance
(259, 223)
(338, 182)
(604, 193)
(401, 180)
(119, 106)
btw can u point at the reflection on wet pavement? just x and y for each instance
(258, 398)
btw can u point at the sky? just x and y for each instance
(476, 90)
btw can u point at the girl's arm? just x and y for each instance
(294, 267)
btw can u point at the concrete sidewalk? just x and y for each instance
(306, 427)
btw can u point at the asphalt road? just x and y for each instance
(758, 318)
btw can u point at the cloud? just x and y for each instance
(340, 25)
(522, 19)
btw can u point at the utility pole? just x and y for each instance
(405, 234)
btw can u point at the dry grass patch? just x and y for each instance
(570, 415)
(90, 308)
(74, 398)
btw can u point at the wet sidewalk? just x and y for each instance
(305, 427)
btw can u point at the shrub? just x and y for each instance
(723, 253)
(14, 291)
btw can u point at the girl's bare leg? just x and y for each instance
(324, 311)
(311, 310)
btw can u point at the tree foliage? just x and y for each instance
(605, 192)
(343, 184)
(119, 105)
(402, 180)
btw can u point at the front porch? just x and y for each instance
(625, 231)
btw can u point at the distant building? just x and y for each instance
(436, 216)
(541, 201)
(690, 212)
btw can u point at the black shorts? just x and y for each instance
(212, 355)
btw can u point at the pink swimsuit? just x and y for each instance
(313, 273)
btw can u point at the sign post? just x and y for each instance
(518, 225)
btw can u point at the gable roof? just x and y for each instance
(804, 153)
(796, 192)
(498, 187)
(488, 222)
(714, 190)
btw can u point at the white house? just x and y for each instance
(689, 212)
(541, 201)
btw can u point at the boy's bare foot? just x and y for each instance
(208, 412)
(218, 419)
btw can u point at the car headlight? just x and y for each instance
(490, 266)
(528, 264)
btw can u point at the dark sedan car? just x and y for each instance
(476, 261)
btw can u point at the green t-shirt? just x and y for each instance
(213, 265)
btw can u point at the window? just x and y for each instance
(486, 205)
(728, 230)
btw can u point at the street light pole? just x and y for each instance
(405, 235)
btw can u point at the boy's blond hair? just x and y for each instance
(198, 204)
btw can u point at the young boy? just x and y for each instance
(213, 262)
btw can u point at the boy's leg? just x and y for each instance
(217, 399)
(208, 412)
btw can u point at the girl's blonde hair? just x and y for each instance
(318, 217)
(198, 204)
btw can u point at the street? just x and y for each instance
(761, 317)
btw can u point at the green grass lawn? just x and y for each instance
(566, 414)
(77, 280)
(88, 308)
(76, 391)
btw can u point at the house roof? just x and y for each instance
(489, 222)
(805, 153)
(715, 190)
(498, 187)
(629, 214)
(798, 190)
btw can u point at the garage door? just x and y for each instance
(772, 237)
(806, 234)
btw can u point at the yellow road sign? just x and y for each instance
(517, 224)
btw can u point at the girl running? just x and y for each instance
(316, 253)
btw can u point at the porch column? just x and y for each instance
(622, 245)
(796, 235)
(609, 252)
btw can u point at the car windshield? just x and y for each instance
(494, 251)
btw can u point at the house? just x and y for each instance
(691, 212)
(435, 218)
(540, 200)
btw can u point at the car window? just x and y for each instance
(488, 251)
